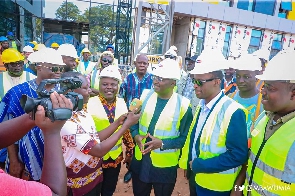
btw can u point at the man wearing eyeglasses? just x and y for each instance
(26, 156)
(160, 134)
(216, 145)
(106, 59)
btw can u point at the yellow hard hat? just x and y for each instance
(85, 50)
(54, 45)
(39, 46)
(11, 55)
(34, 42)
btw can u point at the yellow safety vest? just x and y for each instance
(274, 171)
(166, 127)
(82, 70)
(6, 83)
(212, 144)
(96, 109)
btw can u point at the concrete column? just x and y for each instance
(21, 26)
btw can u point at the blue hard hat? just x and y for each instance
(3, 39)
(110, 46)
(9, 33)
(31, 44)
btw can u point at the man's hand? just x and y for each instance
(152, 145)
(131, 119)
(16, 168)
(44, 123)
(121, 119)
(138, 139)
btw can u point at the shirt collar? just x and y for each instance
(211, 103)
(282, 119)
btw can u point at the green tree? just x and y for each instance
(68, 11)
(101, 24)
(38, 29)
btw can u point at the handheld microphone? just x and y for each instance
(135, 106)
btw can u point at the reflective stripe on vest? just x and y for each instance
(212, 144)
(274, 171)
(94, 79)
(6, 84)
(167, 126)
(97, 111)
(183, 161)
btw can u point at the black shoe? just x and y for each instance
(127, 176)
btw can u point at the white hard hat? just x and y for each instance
(173, 48)
(28, 49)
(262, 53)
(171, 52)
(111, 71)
(46, 55)
(168, 68)
(280, 67)
(247, 62)
(68, 50)
(210, 60)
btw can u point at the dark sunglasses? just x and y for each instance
(201, 82)
(15, 64)
(55, 69)
(107, 60)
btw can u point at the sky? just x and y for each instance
(52, 5)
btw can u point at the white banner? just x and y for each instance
(288, 42)
(195, 26)
(268, 37)
(247, 31)
(212, 29)
(236, 41)
(221, 36)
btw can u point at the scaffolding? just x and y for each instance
(158, 19)
(123, 28)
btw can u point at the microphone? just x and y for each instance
(135, 106)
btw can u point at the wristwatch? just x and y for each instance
(162, 146)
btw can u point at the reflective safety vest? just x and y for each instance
(13, 45)
(274, 168)
(6, 83)
(97, 111)
(212, 144)
(82, 70)
(167, 126)
(94, 80)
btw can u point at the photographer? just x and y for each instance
(52, 183)
(25, 158)
(83, 146)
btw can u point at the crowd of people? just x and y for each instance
(227, 123)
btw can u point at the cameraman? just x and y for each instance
(25, 158)
(83, 146)
(53, 180)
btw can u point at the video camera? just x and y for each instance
(30, 104)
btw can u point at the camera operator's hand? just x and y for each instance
(131, 119)
(44, 123)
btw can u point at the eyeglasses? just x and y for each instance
(201, 82)
(107, 60)
(55, 69)
(160, 79)
(15, 64)
(170, 57)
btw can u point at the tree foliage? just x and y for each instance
(68, 11)
(102, 26)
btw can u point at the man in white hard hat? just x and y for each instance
(69, 56)
(106, 108)
(271, 161)
(26, 157)
(27, 50)
(160, 134)
(216, 145)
